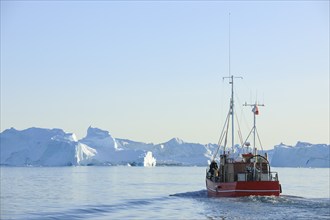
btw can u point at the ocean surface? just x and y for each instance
(122, 192)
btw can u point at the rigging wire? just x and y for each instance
(248, 135)
(223, 133)
(225, 144)
(259, 139)
(243, 120)
(240, 137)
(239, 131)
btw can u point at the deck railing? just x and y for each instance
(243, 176)
(259, 176)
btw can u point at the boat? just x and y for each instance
(246, 174)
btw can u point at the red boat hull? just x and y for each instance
(243, 188)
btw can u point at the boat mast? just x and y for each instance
(231, 81)
(254, 129)
(232, 112)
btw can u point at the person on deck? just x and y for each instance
(213, 167)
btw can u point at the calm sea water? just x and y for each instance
(152, 193)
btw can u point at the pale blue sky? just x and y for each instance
(150, 71)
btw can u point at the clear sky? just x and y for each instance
(152, 70)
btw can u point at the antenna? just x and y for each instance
(231, 81)
(229, 45)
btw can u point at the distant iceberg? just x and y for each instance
(301, 155)
(37, 147)
(149, 160)
(54, 147)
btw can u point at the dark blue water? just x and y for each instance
(152, 193)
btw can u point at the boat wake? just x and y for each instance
(260, 207)
(251, 207)
(194, 194)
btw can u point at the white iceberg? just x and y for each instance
(149, 160)
(54, 147)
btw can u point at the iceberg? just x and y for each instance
(179, 152)
(38, 147)
(303, 154)
(54, 147)
(149, 160)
